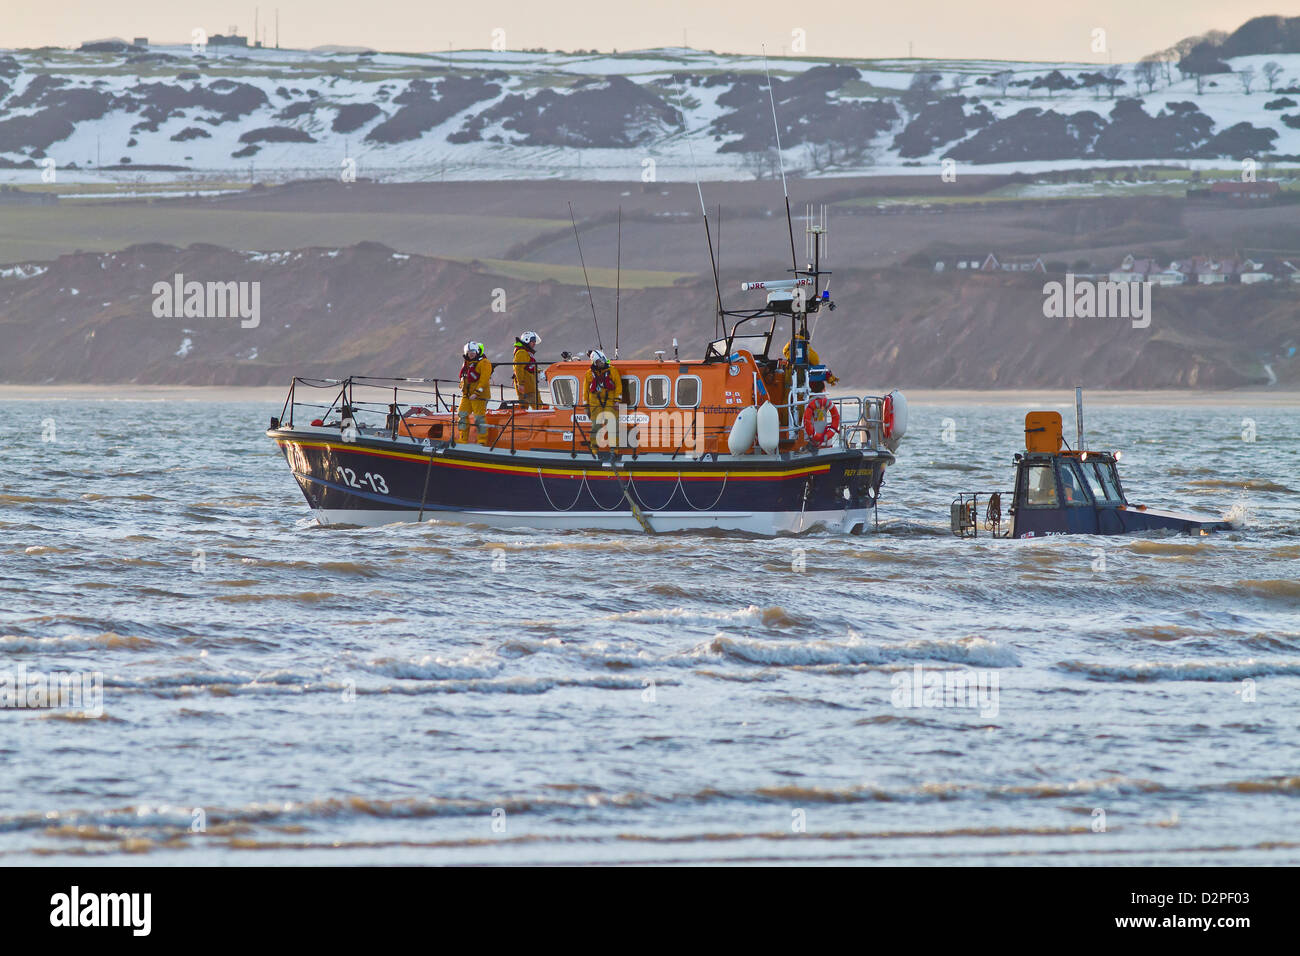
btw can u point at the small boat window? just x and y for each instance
(631, 391)
(1041, 486)
(656, 391)
(1094, 482)
(688, 391)
(564, 391)
(1072, 484)
(1107, 472)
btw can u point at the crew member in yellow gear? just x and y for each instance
(813, 359)
(526, 370)
(475, 388)
(603, 388)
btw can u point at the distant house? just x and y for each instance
(1207, 270)
(988, 262)
(962, 262)
(233, 39)
(1013, 264)
(142, 42)
(1133, 269)
(1251, 272)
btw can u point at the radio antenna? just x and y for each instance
(590, 298)
(618, 277)
(789, 220)
(708, 236)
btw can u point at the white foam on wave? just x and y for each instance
(432, 667)
(16, 643)
(975, 651)
(1190, 670)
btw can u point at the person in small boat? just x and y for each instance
(603, 388)
(526, 369)
(1072, 494)
(813, 359)
(475, 388)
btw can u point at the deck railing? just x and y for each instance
(382, 407)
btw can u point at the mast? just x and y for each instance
(618, 277)
(1078, 417)
(708, 236)
(590, 298)
(780, 159)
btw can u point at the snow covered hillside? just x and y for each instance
(230, 113)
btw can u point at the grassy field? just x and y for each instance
(599, 276)
(1171, 182)
(30, 233)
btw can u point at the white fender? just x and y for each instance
(897, 402)
(769, 428)
(743, 432)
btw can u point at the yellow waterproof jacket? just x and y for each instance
(813, 357)
(525, 373)
(476, 380)
(599, 397)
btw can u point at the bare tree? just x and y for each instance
(1002, 79)
(761, 163)
(820, 155)
(1271, 72)
(1146, 72)
(1112, 75)
(1246, 76)
(1166, 61)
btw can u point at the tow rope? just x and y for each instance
(637, 513)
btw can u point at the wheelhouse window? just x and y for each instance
(657, 391)
(1040, 486)
(1072, 484)
(1110, 484)
(631, 391)
(688, 391)
(1094, 481)
(564, 391)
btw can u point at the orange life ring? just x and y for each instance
(831, 427)
(887, 417)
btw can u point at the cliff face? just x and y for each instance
(369, 310)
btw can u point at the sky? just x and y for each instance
(965, 29)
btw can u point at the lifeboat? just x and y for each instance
(744, 438)
(1059, 490)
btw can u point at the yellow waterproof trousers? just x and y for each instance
(478, 408)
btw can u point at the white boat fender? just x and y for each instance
(769, 428)
(894, 418)
(743, 431)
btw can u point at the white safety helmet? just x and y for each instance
(597, 357)
(531, 339)
(473, 350)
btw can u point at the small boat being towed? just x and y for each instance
(745, 439)
(1066, 491)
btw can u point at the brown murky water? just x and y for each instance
(278, 693)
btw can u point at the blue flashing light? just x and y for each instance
(826, 294)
